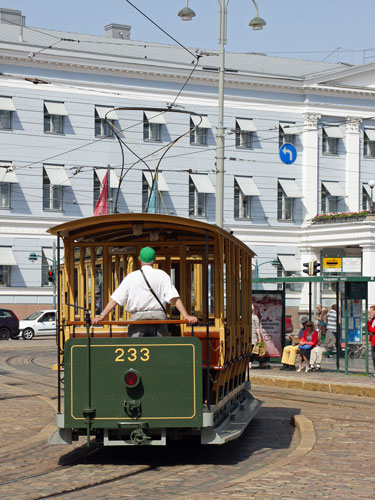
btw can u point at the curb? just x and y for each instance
(311, 385)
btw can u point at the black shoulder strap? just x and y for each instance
(152, 291)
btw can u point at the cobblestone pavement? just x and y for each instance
(333, 459)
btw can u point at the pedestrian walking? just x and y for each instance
(371, 330)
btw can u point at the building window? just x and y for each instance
(6, 110)
(290, 287)
(287, 133)
(285, 204)
(330, 144)
(102, 127)
(244, 133)
(54, 113)
(5, 120)
(198, 135)
(366, 199)
(328, 202)
(4, 275)
(52, 194)
(197, 201)
(5, 190)
(151, 130)
(242, 203)
(98, 185)
(151, 202)
(369, 144)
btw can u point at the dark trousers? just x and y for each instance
(373, 355)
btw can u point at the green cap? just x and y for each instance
(147, 255)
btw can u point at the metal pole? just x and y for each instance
(54, 272)
(310, 301)
(207, 331)
(220, 145)
(338, 334)
(108, 189)
(58, 333)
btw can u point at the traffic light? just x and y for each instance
(306, 268)
(51, 276)
(316, 267)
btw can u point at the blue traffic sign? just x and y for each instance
(288, 153)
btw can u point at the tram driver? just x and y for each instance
(145, 293)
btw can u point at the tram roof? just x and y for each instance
(121, 227)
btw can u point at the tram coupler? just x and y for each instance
(138, 435)
(89, 414)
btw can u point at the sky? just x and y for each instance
(329, 30)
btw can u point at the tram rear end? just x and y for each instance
(132, 391)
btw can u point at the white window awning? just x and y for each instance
(155, 117)
(57, 175)
(103, 110)
(289, 262)
(56, 108)
(333, 132)
(202, 183)
(48, 253)
(247, 186)
(289, 128)
(246, 125)
(290, 188)
(7, 257)
(334, 189)
(162, 185)
(370, 132)
(113, 179)
(7, 174)
(205, 123)
(6, 104)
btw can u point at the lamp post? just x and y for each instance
(257, 23)
(34, 256)
(371, 184)
(274, 262)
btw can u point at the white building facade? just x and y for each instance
(56, 89)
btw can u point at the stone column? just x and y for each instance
(353, 190)
(310, 165)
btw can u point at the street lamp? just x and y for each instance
(371, 184)
(274, 262)
(256, 23)
(34, 256)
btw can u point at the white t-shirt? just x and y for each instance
(133, 290)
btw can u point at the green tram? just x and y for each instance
(129, 391)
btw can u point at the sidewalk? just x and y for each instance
(355, 383)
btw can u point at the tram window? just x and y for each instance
(197, 201)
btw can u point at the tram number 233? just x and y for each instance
(132, 354)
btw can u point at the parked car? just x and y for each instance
(9, 325)
(38, 323)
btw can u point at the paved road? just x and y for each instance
(271, 461)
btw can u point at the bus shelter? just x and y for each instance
(349, 291)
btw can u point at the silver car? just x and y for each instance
(38, 323)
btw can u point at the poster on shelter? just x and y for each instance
(269, 309)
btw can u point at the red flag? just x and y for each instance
(101, 207)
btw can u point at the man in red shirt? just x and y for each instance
(371, 330)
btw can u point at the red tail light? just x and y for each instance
(132, 378)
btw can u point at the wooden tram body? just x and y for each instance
(192, 382)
